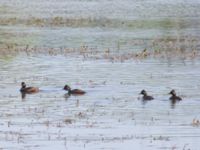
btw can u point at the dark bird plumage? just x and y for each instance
(146, 96)
(28, 90)
(74, 91)
(174, 97)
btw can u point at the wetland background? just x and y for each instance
(112, 50)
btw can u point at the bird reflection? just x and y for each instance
(173, 103)
(66, 96)
(144, 102)
(23, 95)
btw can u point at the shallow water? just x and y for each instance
(111, 115)
(114, 24)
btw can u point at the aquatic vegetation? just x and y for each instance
(161, 138)
(112, 49)
(68, 121)
(160, 48)
(195, 123)
(60, 21)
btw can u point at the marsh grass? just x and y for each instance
(168, 48)
(59, 21)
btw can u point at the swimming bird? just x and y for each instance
(146, 96)
(174, 97)
(74, 91)
(28, 90)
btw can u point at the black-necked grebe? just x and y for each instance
(146, 96)
(74, 91)
(28, 90)
(174, 97)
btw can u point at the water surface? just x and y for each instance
(103, 42)
(110, 116)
